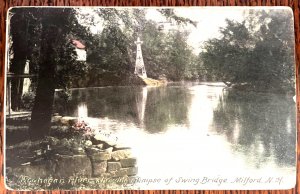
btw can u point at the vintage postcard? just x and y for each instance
(150, 98)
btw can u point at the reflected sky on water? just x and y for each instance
(193, 130)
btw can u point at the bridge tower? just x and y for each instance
(139, 62)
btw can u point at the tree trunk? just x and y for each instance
(19, 29)
(43, 103)
(42, 109)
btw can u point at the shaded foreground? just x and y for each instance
(74, 156)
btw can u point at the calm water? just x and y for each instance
(196, 130)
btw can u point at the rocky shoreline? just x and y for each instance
(71, 153)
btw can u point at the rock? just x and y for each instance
(56, 119)
(113, 166)
(100, 156)
(78, 151)
(62, 150)
(100, 137)
(99, 168)
(92, 150)
(107, 138)
(120, 147)
(121, 154)
(109, 150)
(68, 120)
(105, 174)
(88, 143)
(111, 143)
(77, 165)
(120, 173)
(100, 146)
(75, 144)
(128, 162)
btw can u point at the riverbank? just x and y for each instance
(108, 79)
(73, 156)
(261, 88)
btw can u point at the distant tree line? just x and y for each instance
(256, 53)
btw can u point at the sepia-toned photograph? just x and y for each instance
(152, 98)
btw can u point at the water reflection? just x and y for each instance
(166, 106)
(151, 109)
(141, 100)
(261, 126)
(82, 112)
(184, 130)
(204, 100)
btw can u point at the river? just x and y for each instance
(198, 131)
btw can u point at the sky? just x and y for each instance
(209, 20)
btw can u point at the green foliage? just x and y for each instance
(166, 55)
(258, 53)
(111, 52)
(179, 55)
(28, 40)
(153, 50)
(170, 14)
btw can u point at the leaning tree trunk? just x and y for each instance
(43, 103)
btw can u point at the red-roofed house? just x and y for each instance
(80, 50)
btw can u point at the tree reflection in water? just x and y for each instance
(262, 126)
(151, 109)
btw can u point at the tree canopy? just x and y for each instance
(255, 52)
